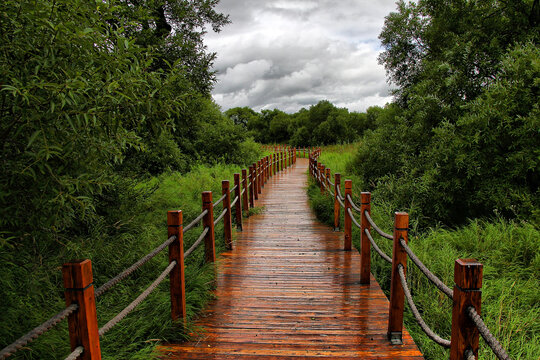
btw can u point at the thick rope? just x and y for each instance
(331, 183)
(440, 341)
(37, 331)
(353, 205)
(493, 343)
(232, 190)
(75, 354)
(220, 200)
(331, 192)
(196, 243)
(114, 321)
(124, 274)
(377, 249)
(195, 221)
(243, 191)
(469, 355)
(340, 202)
(376, 228)
(220, 216)
(431, 277)
(234, 201)
(351, 215)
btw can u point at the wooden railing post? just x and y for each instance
(348, 221)
(397, 297)
(281, 157)
(82, 324)
(254, 180)
(328, 174)
(177, 275)
(238, 205)
(208, 221)
(323, 178)
(337, 207)
(251, 188)
(245, 195)
(365, 250)
(267, 167)
(259, 176)
(272, 165)
(467, 292)
(227, 219)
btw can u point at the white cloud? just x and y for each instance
(290, 54)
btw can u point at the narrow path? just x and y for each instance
(288, 290)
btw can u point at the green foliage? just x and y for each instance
(322, 124)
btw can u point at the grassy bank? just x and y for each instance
(31, 285)
(510, 252)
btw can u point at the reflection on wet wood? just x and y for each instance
(288, 290)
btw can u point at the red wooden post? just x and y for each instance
(467, 292)
(263, 173)
(227, 219)
(266, 168)
(176, 253)
(259, 176)
(208, 221)
(238, 205)
(255, 180)
(271, 164)
(337, 207)
(348, 221)
(251, 188)
(365, 250)
(281, 156)
(245, 205)
(322, 178)
(82, 324)
(399, 256)
(328, 174)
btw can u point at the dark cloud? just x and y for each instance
(290, 54)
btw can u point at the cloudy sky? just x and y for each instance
(289, 54)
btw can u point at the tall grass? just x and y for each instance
(509, 251)
(31, 286)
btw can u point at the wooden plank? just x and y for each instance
(289, 290)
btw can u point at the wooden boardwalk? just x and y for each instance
(288, 290)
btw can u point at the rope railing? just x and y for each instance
(195, 221)
(81, 295)
(467, 273)
(220, 216)
(196, 243)
(376, 228)
(381, 253)
(427, 330)
(219, 200)
(489, 338)
(423, 268)
(124, 274)
(122, 314)
(75, 354)
(37, 331)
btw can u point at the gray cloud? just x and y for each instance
(290, 54)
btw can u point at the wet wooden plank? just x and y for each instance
(289, 291)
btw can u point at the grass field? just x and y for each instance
(509, 251)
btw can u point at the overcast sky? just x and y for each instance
(289, 54)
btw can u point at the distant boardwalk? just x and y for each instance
(288, 290)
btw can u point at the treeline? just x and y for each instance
(462, 138)
(321, 124)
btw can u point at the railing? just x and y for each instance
(466, 295)
(81, 312)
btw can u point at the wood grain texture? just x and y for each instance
(289, 291)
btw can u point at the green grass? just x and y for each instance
(31, 287)
(509, 251)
